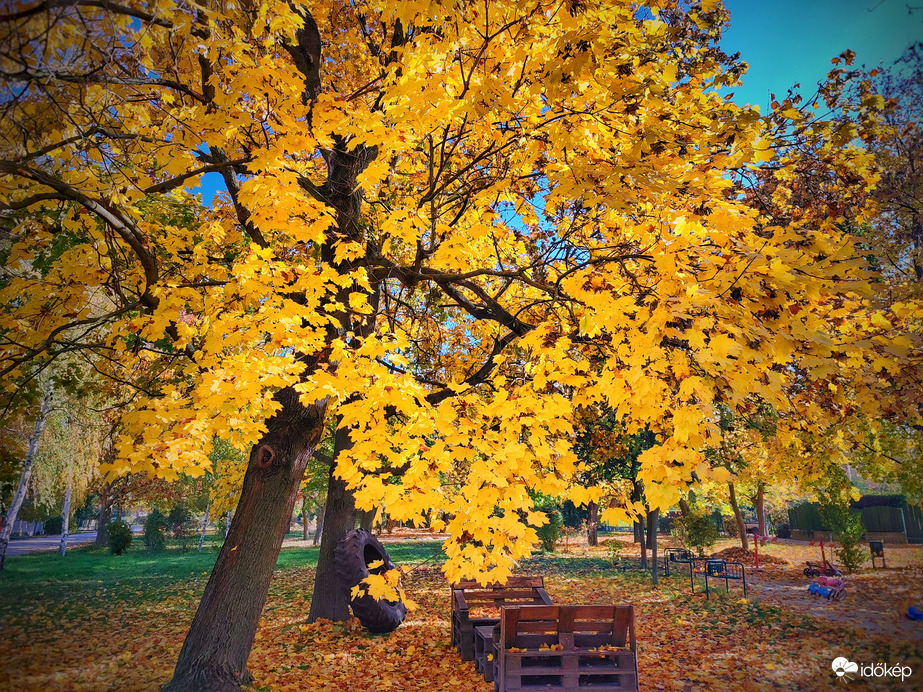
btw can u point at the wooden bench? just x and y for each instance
(567, 648)
(468, 595)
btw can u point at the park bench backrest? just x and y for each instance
(470, 594)
(573, 626)
(516, 591)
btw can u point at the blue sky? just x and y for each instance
(790, 41)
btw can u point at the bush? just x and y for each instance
(846, 526)
(179, 523)
(54, 526)
(154, 537)
(697, 532)
(730, 527)
(551, 532)
(784, 531)
(613, 548)
(119, 536)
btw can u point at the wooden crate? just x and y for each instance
(468, 595)
(566, 648)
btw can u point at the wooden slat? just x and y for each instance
(573, 668)
(527, 582)
(623, 617)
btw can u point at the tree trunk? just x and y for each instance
(329, 601)
(744, 543)
(26, 474)
(643, 543)
(65, 519)
(761, 508)
(592, 524)
(319, 529)
(214, 654)
(304, 519)
(367, 519)
(639, 532)
(208, 506)
(651, 529)
(652, 540)
(684, 507)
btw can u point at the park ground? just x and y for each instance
(94, 621)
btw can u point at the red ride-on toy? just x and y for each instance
(824, 568)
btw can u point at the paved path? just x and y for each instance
(21, 546)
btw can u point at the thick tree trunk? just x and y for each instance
(592, 524)
(208, 506)
(26, 474)
(65, 520)
(760, 503)
(214, 655)
(319, 529)
(741, 526)
(329, 601)
(652, 539)
(367, 519)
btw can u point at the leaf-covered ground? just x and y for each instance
(97, 622)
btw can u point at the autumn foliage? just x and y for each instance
(446, 229)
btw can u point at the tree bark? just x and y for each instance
(652, 539)
(34, 439)
(643, 542)
(329, 600)
(227, 525)
(214, 654)
(741, 526)
(761, 508)
(592, 524)
(208, 506)
(65, 520)
(651, 528)
(684, 507)
(367, 519)
(304, 519)
(319, 529)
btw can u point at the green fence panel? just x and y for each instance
(913, 517)
(883, 519)
(806, 517)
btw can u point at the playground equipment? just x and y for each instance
(814, 569)
(829, 587)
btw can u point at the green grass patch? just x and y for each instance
(88, 572)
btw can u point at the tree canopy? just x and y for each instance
(446, 226)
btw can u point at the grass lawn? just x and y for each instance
(93, 621)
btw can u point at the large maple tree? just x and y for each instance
(445, 226)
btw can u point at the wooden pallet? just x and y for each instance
(566, 648)
(468, 595)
